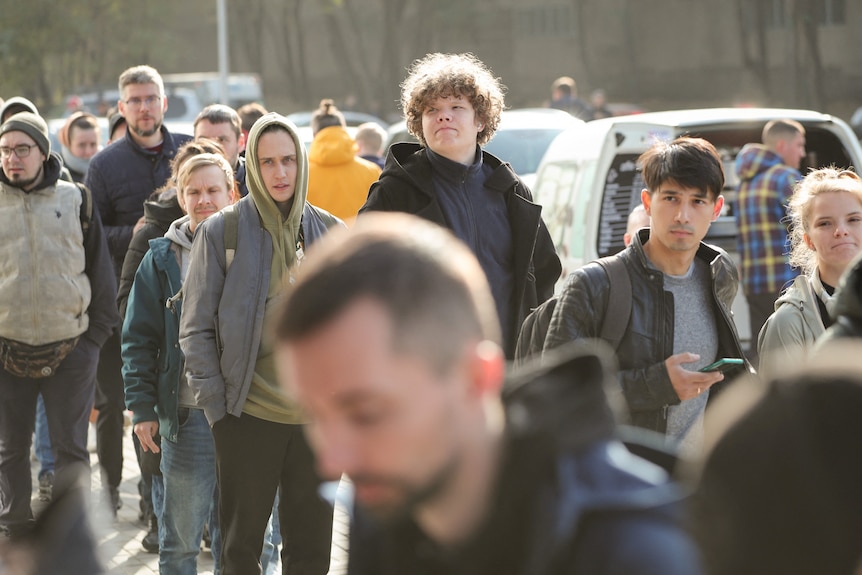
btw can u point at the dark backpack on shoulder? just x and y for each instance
(534, 329)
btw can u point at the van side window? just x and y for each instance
(622, 192)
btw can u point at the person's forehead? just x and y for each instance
(276, 143)
(15, 138)
(141, 89)
(207, 128)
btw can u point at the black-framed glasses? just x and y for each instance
(21, 151)
(136, 102)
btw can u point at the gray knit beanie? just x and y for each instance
(32, 125)
(16, 104)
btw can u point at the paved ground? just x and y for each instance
(120, 540)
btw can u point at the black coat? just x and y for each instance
(406, 185)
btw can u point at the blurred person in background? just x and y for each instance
(564, 96)
(370, 138)
(222, 123)
(338, 180)
(767, 173)
(249, 114)
(79, 140)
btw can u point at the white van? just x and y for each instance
(588, 181)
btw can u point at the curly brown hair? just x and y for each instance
(442, 75)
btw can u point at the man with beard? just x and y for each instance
(391, 342)
(121, 178)
(56, 310)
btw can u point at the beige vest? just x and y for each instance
(44, 292)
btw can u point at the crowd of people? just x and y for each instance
(275, 317)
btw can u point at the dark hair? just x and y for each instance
(325, 116)
(220, 114)
(427, 280)
(686, 161)
(249, 114)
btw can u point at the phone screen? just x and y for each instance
(723, 364)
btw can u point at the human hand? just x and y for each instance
(146, 431)
(689, 384)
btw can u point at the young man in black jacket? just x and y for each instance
(682, 291)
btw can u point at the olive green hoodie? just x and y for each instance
(265, 398)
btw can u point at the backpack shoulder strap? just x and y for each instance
(231, 226)
(619, 308)
(86, 208)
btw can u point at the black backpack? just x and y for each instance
(534, 329)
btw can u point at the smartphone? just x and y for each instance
(724, 364)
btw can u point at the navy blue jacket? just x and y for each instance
(569, 498)
(122, 176)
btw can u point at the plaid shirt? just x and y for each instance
(766, 184)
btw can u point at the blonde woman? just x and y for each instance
(826, 234)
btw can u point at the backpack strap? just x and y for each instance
(231, 227)
(619, 308)
(86, 208)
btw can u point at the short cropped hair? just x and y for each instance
(688, 162)
(784, 129)
(429, 282)
(220, 114)
(443, 75)
(372, 135)
(141, 75)
(813, 185)
(250, 113)
(325, 116)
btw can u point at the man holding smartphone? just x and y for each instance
(682, 291)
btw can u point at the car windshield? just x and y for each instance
(522, 148)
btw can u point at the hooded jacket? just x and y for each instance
(648, 341)
(793, 327)
(338, 180)
(152, 361)
(766, 184)
(406, 185)
(568, 499)
(122, 176)
(224, 307)
(55, 282)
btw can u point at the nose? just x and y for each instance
(682, 213)
(841, 229)
(333, 454)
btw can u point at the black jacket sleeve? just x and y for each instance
(103, 285)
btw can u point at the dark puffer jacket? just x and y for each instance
(122, 176)
(648, 341)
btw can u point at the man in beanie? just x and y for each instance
(56, 310)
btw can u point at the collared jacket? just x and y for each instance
(648, 340)
(152, 360)
(406, 185)
(568, 499)
(224, 305)
(55, 282)
(158, 215)
(122, 176)
(794, 326)
(765, 186)
(338, 180)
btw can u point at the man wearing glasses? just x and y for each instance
(56, 310)
(121, 178)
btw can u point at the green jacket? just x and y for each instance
(152, 360)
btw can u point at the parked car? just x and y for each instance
(521, 138)
(588, 181)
